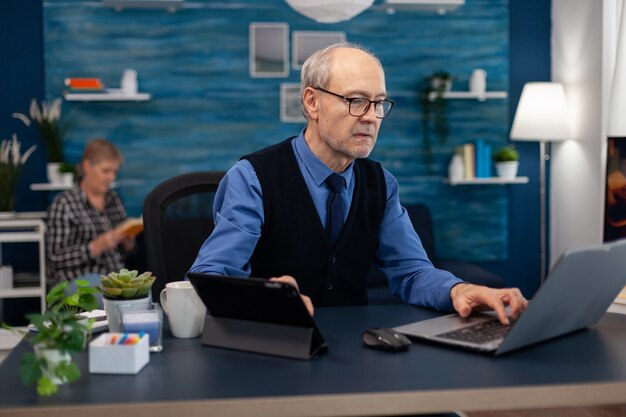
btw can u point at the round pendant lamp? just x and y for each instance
(330, 11)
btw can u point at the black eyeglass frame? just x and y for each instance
(350, 100)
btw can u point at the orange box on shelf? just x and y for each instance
(84, 83)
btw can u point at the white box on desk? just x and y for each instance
(107, 358)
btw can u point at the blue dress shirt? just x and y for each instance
(238, 213)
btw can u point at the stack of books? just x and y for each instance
(476, 159)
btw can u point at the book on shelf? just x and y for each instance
(469, 161)
(476, 159)
(84, 85)
(131, 226)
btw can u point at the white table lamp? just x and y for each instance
(542, 115)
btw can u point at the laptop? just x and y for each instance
(576, 294)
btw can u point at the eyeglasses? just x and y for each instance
(358, 106)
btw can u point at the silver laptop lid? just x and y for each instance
(578, 291)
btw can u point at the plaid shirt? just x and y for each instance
(72, 224)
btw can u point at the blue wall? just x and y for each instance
(207, 111)
(199, 115)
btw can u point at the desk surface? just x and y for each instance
(584, 368)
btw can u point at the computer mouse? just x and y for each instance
(385, 339)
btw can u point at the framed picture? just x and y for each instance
(304, 43)
(615, 191)
(290, 111)
(269, 50)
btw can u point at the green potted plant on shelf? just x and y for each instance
(58, 332)
(11, 163)
(124, 287)
(434, 110)
(507, 162)
(47, 117)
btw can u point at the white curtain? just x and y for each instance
(617, 107)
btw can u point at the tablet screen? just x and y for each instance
(253, 299)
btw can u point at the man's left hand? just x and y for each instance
(468, 297)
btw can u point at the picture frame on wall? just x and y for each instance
(290, 110)
(615, 190)
(269, 50)
(304, 43)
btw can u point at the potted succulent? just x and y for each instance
(127, 288)
(507, 162)
(58, 332)
(434, 109)
(47, 116)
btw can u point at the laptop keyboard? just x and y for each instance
(479, 333)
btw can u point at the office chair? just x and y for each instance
(422, 221)
(178, 217)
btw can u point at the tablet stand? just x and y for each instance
(253, 336)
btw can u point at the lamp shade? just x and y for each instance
(542, 113)
(330, 11)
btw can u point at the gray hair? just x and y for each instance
(316, 68)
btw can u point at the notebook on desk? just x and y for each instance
(576, 294)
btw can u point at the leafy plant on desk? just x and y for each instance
(59, 331)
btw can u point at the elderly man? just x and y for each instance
(313, 211)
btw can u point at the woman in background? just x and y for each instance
(82, 242)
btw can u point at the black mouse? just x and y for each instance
(385, 339)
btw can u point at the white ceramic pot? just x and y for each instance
(53, 358)
(114, 317)
(52, 170)
(507, 170)
(67, 179)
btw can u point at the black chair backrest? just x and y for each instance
(423, 225)
(178, 217)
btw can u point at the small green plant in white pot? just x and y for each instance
(507, 162)
(58, 332)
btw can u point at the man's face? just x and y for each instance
(353, 74)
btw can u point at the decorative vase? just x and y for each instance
(54, 176)
(507, 170)
(455, 168)
(114, 317)
(53, 358)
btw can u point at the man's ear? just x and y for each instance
(310, 102)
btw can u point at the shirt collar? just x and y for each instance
(316, 168)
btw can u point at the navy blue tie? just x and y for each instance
(334, 206)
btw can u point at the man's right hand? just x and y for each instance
(287, 279)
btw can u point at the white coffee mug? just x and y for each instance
(185, 311)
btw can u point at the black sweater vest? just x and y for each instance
(293, 239)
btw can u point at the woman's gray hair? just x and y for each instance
(316, 68)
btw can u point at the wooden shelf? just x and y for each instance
(467, 95)
(107, 95)
(488, 181)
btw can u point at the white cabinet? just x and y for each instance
(20, 229)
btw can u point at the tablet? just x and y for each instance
(254, 299)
